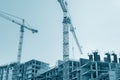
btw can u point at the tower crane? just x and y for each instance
(67, 25)
(22, 27)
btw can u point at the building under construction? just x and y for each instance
(85, 69)
(25, 71)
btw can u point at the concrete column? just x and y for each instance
(96, 69)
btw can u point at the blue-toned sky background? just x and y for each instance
(97, 24)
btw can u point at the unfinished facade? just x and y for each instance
(85, 69)
(6, 71)
(25, 71)
(65, 71)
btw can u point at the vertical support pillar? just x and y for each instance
(91, 73)
(96, 65)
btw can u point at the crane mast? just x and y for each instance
(67, 25)
(20, 43)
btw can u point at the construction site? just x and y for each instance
(84, 69)
(90, 68)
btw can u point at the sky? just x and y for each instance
(96, 22)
